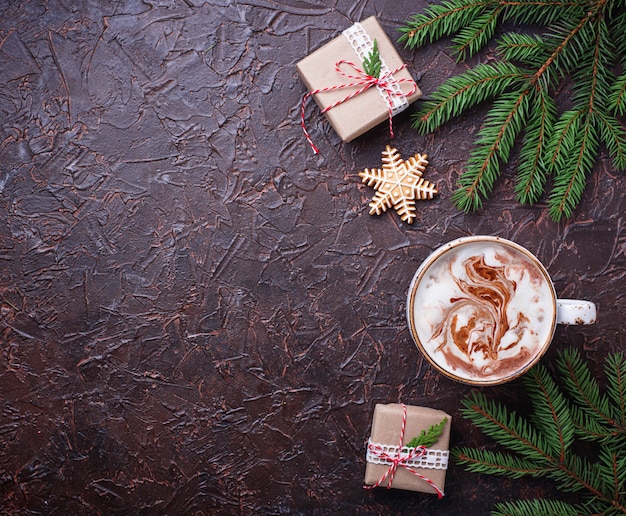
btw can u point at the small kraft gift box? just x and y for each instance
(391, 463)
(352, 101)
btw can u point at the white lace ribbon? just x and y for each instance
(431, 459)
(362, 45)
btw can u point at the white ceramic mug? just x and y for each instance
(483, 310)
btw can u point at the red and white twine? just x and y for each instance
(386, 83)
(400, 459)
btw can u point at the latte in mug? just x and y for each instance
(483, 309)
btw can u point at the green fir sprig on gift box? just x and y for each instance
(372, 63)
(584, 42)
(568, 408)
(429, 436)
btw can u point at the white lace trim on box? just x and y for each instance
(362, 45)
(431, 459)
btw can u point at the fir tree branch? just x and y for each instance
(430, 436)
(545, 448)
(616, 389)
(612, 135)
(617, 98)
(462, 92)
(617, 20)
(583, 388)
(569, 182)
(561, 144)
(538, 507)
(523, 48)
(597, 417)
(589, 428)
(542, 12)
(474, 36)
(613, 471)
(593, 78)
(531, 172)
(551, 411)
(497, 463)
(372, 63)
(505, 427)
(495, 140)
(577, 474)
(559, 53)
(440, 20)
(584, 40)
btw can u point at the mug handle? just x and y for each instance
(575, 311)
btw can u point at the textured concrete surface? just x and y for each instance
(198, 314)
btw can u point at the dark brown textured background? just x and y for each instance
(198, 314)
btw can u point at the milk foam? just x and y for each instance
(488, 337)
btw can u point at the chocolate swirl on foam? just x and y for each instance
(474, 324)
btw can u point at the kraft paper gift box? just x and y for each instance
(366, 110)
(386, 429)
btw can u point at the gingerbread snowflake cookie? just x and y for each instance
(398, 184)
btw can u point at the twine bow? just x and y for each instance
(400, 459)
(385, 82)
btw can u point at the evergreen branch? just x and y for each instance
(617, 24)
(569, 182)
(570, 179)
(590, 428)
(584, 40)
(613, 471)
(598, 417)
(561, 144)
(506, 428)
(612, 135)
(562, 58)
(474, 36)
(583, 388)
(440, 20)
(372, 63)
(593, 78)
(617, 97)
(545, 449)
(430, 436)
(616, 388)
(495, 140)
(497, 463)
(531, 172)
(462, 92)
(538, 507)
(551, 411)
(523, 48)
(542, 13)
(577, 474)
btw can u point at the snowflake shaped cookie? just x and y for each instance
(398, 184)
